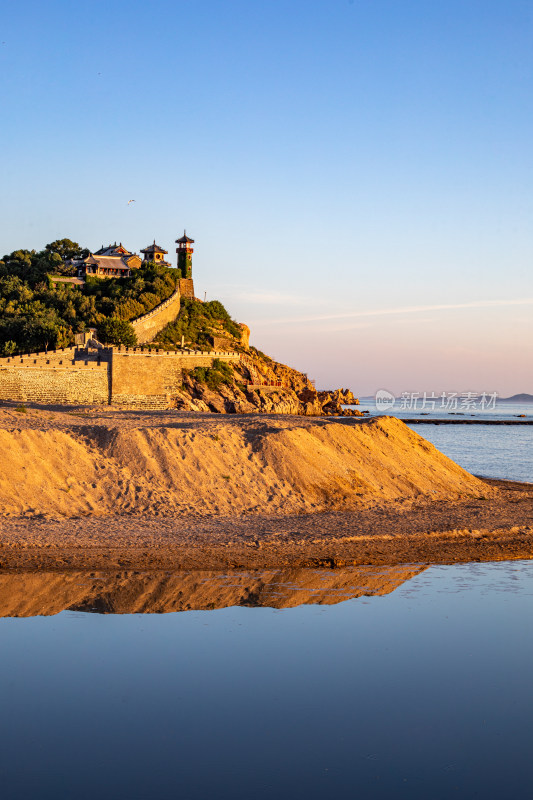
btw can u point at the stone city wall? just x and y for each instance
(149, 325)
(151, 379)
(144, 380)
(186, 287)
(120, 376)
(54, 378)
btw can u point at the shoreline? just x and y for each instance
(493, 529)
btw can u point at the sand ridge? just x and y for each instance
(97, 465)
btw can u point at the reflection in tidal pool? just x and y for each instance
(419, 687)
(29, 594)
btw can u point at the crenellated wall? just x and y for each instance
(55, 377)
(149, 325)
(153, 378)
(131, 377)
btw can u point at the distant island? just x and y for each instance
(517, 398)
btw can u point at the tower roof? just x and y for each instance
(154, 248)
(184, 239)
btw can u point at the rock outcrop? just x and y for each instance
(263, 385)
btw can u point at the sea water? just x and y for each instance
(422, 693)
(492, 451)
(418, 408)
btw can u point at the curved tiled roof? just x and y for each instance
(154, 248)
(112, 250)
(184, 239)
(112, 262)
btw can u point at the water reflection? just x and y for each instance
(424, 693)
(30, 594)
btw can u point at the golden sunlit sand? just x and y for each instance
(104, 488)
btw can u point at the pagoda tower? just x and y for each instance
(155, 253)
(185, 251)
(184, 265)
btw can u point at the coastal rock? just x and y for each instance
(262, 385)
(275, 401)
(339, 396)
(245, 335)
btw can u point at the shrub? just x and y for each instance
(117, 331)
(197, 323)
(215, 376)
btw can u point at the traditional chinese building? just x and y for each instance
(113, 261)
(155, 253)
(116, 261)
(113, 250)
(184, 264)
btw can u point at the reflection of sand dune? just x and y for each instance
(31, 594)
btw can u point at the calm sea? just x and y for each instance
(493, 451)
(418, 409)
(421, 693)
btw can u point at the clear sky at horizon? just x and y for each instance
(357, 174)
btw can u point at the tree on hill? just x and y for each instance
(42, 330)
(117, 331)
(66, 249)
(33, 267)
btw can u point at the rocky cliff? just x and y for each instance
(260, 384)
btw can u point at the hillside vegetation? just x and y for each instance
(197, 323)
(35, 315)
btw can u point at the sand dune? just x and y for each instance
(196, 466)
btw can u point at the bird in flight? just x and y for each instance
(131, 201)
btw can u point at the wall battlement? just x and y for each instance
(149, 325)
(131, 377)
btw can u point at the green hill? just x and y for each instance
(36, 315)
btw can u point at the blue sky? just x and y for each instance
(357, 175)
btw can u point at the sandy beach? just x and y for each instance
(106, 489)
